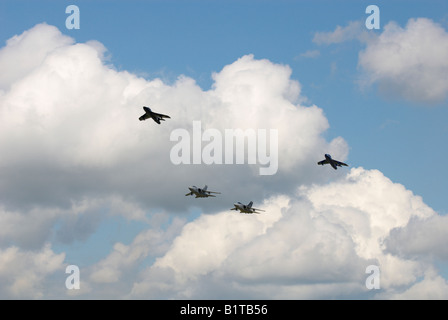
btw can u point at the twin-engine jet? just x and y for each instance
(245, 208)
(334, 163)
(201, 193)
(157, 117)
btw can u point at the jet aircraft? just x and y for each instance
(334, 163)
(245, 208)
(201, 193)
(157, 117)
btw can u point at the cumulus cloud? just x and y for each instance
(72, 127)
(30, 229)
(409, 62)
(24, 52)
(316, 244)
(74, 154)
(151, 242)
(420, 238)
(431, 287)
(23, 274)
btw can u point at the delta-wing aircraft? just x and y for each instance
(334, 163)
(201, 193)
(157, 117)
(243, 208)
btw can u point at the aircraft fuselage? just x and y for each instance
(243, 208)
(198, 192)
(331, 161)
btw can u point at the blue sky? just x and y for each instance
(381, 116)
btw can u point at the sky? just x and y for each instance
(92, 200)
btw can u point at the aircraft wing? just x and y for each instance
(255, 210)
(213, 192)
(323, 162)
(161, 115)
(339, 163)
(144, 117)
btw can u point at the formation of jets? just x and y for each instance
(247, 208)
(204, 193)
(197, 192)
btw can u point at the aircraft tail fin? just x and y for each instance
(205, 188)
(250, 204)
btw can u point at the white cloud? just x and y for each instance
(409, 62)
(230, 232)
(420, 238)
(31, 229)
(126, 258)
(23, 274)
(310, 54)
(316, 244)
(27, 229)
(74, 153)
(355, 30)
(23, 53)
(69, 128)
(431, 287)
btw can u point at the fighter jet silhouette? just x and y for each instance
(245, 208)
(334, 163)
(201, 193)
(157, 117)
